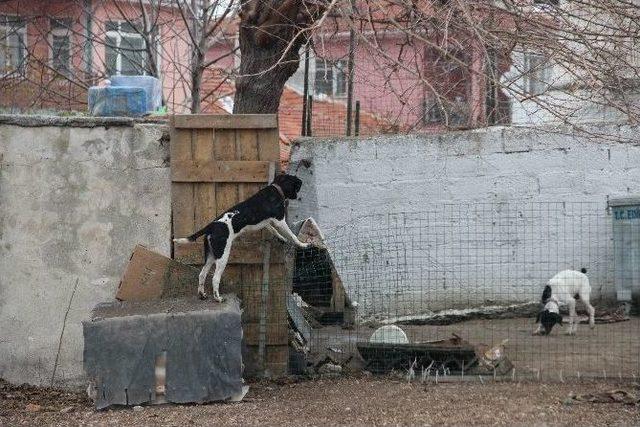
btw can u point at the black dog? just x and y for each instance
(547, 319)
(265, 209)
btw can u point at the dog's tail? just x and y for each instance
(193, 237)
(182, 240)
(583, 270)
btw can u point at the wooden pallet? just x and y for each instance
(216, 162)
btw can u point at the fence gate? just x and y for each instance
(216, 162)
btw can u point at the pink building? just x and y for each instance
(411, 87)
(52, 51)
(406, 87)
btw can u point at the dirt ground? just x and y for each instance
(609, 350)
(343, 401)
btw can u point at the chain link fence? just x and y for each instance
(456, 291)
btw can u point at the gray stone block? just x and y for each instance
(202, 341)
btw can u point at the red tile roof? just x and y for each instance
(329, 115)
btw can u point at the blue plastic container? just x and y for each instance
(112, 101)
(150, 84)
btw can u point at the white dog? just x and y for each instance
(564, 288)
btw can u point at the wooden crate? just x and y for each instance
(216, 162)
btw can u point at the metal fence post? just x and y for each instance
(309, 115)
(305, 93)
(352, 47)
(357, 120)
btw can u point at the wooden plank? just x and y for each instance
(265, 301)
(182, 209)
(275, 334)
(191, 253)
(227, 194)
(275, 366)
(277, 300)
(181, 194)
(277, 363)
(180, 145)
(269, 146)
(219, 171)
(204, 193)
(338, 296)
(242, 252)
(247, 151)
(231, 121)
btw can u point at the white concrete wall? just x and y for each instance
(492, 214)
(76, 195)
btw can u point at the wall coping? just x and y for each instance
(27, 120)
(550, 128)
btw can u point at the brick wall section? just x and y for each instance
(329, 117)
(327, 113)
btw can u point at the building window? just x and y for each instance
(331, 77)
(452, 113)
(12, 45)
(61, 46)
(432, 113)
(448, 70)
(126, 53)
(537, 73)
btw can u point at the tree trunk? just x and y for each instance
(270, 42)
(196, 85)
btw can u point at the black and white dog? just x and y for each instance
(564, 288)
(265, 209)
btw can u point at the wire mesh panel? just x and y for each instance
(458, 288)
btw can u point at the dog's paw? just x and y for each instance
(320, 245)
(569, 333)
(202, 295)
(218, 298)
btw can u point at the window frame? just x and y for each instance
(537, 75)
(118, 36)
(62, 30)
(21, 67)
(435, 114)
(331, 66)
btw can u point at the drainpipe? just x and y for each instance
(88, 46)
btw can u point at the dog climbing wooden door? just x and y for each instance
(216, 162)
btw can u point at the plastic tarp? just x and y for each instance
(202, 341)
